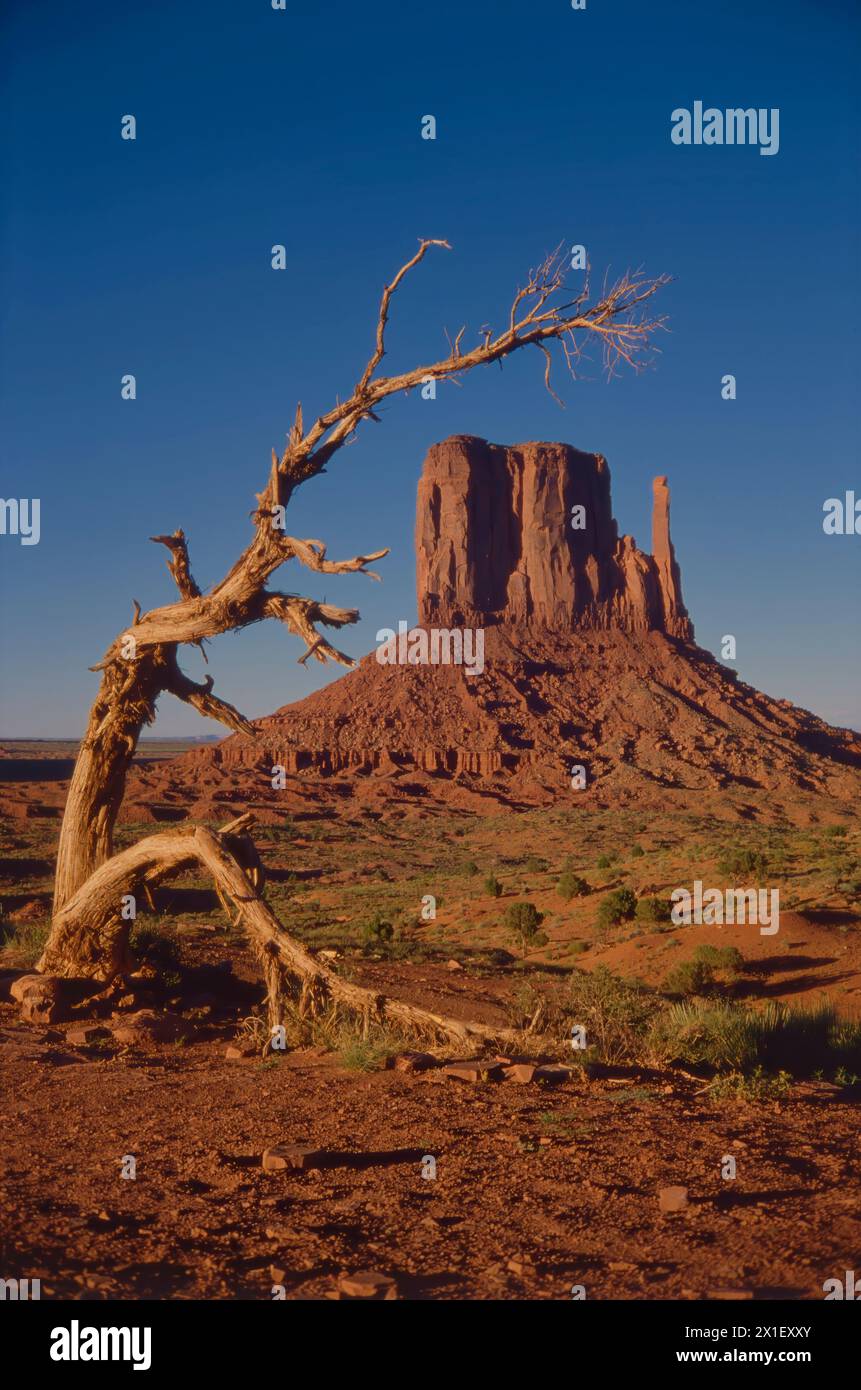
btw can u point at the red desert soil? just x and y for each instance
(536, 1189)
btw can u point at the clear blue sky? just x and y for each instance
(303, 127)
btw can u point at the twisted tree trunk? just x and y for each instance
(90, 934)
(125, 703)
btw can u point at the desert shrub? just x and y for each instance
(377, 930)
(492, 886)
(759, 1086)
(24, 941)
(637, 851)
(653, 910)
(367, 1054)
(834, 832)
(805, 1041)
(151, 946)
(726, 958)
(470, 868)
(715, 1035)
(523, 921)
(690, 977)
(728, 1037)
(570, 885)
(603, 862)
(534, 865)
(618, 906)
(742, 861)
(616, 1013)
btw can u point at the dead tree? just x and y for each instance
(87, 935)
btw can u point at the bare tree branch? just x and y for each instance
(203, 700)
(178, 564)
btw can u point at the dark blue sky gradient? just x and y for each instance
(256, 127)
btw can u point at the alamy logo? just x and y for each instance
(22, 1289)
(735, 906)
(736, 126)
(78, 1343)
(432, 647)
(849, 1287)
(842, 515)
(21, 518)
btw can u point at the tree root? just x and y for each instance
(89, 936)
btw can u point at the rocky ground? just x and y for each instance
(543, 1182)
(538, 1187)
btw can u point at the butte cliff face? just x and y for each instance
(525, 536)
(589, 660)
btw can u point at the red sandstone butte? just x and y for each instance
(590, 660)
(495, 544)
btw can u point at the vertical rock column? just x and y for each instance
(676, 621)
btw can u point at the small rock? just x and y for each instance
(147, 1026)
(453, 965)
(730, 1294)
(673, 1198)
(43, 986)
(277, 1274)
(473, 1072)
(521, 1072)
(37, 1010)
(296, 1156)
(521, 1265)
(368, 1284)
(41, 997)
(410, 1062)
(84, 1037)
(552, 1076)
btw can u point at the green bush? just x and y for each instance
(728, 1037)
(570, 885)
(756, 1087)
(25, 941)
(616, 1013)
(637, 852)
(690, 977)
(618, 906)
(603, 862)
(470, 868)
(492, 886)
(743, 861)
(534, 865)
(523, 921)
(653, 910)
(377, 930)
(728, 958)
(151, 946)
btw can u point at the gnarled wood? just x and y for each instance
(90, 936)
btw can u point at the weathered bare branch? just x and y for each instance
(178, 564)
(203, 700)
(300, 614)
